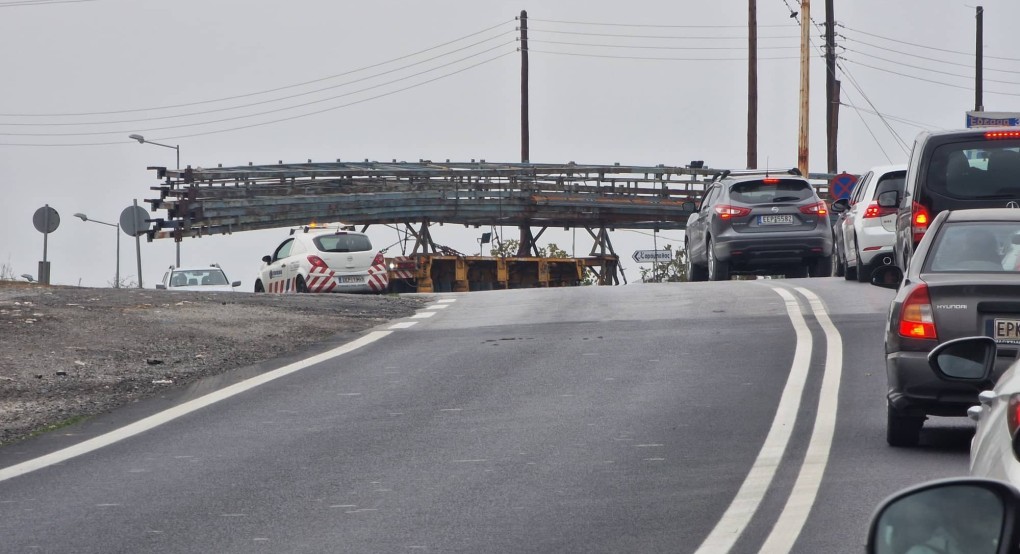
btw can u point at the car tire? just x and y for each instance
(822, 267)
(849, 273)
(259, 287)
(695, 272)
(300, 285)
(863, 275)
(718, 270)
(840, 265)
(902, 430)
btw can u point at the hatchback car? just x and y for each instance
(759, 224)
(964, 280)
(316, 260)
(954, 170)
(207, 279)
(866, 234)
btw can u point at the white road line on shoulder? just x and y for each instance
(437, 307)
(740, 511)
(805, 489)
(403, 325)
(447, 300)
(166, 416)
(423, 315)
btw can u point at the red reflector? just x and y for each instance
(1013, 414)
(994, 135)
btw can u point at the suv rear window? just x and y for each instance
(978, 169)
(343, 243)
(760, 192)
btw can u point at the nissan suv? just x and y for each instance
(759, 224)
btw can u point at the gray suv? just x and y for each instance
(759, 224)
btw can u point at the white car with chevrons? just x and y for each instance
(314, 259)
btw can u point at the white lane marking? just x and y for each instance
(437, 307)
(726, 532)
(171, 414)
(403, 325)
(805, 489)
(423, 315)
(447, 300)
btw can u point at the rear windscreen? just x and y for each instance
(343, 243)
(891, 181)
(977, 169)
(976, 246)
(766, 192)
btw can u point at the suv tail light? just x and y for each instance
(917, 319)
(919, 220)
(317, 262)
(379, 259)
(726, 211)
(818, 208)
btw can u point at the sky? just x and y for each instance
(643, 82)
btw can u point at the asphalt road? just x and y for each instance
(613, 419)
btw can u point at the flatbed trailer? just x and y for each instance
(458, 273)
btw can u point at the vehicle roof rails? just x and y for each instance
(748, 172)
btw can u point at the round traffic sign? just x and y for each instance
(842, 185)
(132, 220)
(46, 219)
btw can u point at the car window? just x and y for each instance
(342, 242)
(766, 191)
(890, 181)
(283, 250)
(709, 197)
(859, 188)
(975, 246)
(976, 169)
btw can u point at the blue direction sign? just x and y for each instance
(842, 185)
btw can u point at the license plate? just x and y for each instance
(1006, 330)
(786, 219)
(350, 280)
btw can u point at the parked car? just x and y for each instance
(954, 170)
(964, 280)
(207, 279)
(759, 224)
(867, 233)
(317, 260)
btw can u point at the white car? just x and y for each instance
(205, 279)
(869, 231)
(317, 260)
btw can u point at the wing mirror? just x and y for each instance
(966, 359)
(889, 199)
(887, 276)
(235, 284)
(977, 516)
(841, 205)
(267, 259)
(688, 206)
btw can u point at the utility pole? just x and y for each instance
(978, 69)
(525, 140)
(752, 84)
(805, 58)
(831, 89)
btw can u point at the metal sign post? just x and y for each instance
(46, 220)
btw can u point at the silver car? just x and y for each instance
(759, 224)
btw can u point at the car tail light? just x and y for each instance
(770, 181)
(317, 262)
(818, 208)
(917, 319)
(726, 211)
(379, 259)
(1013, 414)
(993, 135)
(919, 220)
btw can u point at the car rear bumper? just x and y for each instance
(772, 248)
(915, 389)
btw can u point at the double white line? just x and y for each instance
(744, 505)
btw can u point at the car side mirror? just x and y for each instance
(889, 199)
(841, 205)
(966, 359)
(235, 284)
(161, 286)
(267, 259)
(977, 516)
(689, 206)
(887, 276)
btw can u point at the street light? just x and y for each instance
(27, 277)
(142, 140)
(116, 227)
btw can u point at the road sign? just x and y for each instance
(646, 256)
(842, 185)
(132, 220)
(46, 219)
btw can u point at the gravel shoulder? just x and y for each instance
(68, 353)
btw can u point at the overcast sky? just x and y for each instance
(239, 81)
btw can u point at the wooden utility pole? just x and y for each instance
(525, 140)
(752, 84)
(979, 62)
(805, 58)
(831, 89)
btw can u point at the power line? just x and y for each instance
(947, 62)
(530, 40)
(932, 70)
(657, 37)
(905, 121)
(932, 81)
(531, 50)
(645, 25)
(925, 46)
(23, 3)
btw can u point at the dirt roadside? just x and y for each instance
(68, 353)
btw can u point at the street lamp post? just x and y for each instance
(143, 140)
(116, 227)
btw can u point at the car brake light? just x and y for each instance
(317, 262)
(993, 135)
(726, 211)
(919, 218)
(770, 181)
(917, 319)
(818, 208)
(379, 259)
(872, 211)
(1013, 414)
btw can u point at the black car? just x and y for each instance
(954, 170)
(759, 224)
(964, 280)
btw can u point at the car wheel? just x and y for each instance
(718, 270)
(840, 264)
(299, 285)
(902, 430)
(863, 275)
(259, 287)
(822, 267)
(849, 273)
(695, 272)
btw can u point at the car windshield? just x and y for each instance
(978, 169)
(976, 246)
(769, 191)
(343, 242)
(197, 277)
